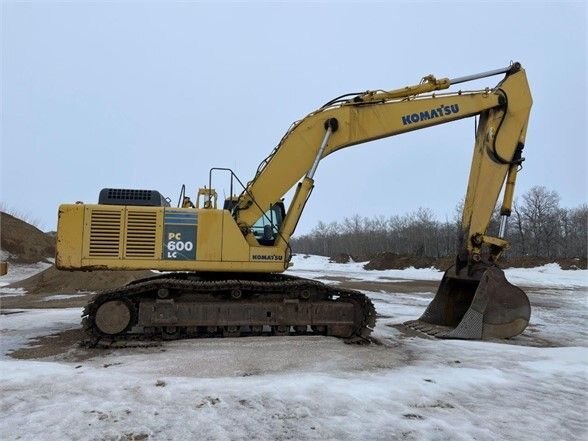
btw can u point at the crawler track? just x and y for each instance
(188, 305)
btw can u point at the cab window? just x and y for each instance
(267, 226)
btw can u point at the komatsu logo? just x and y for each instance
(266, 257)
(430, 114)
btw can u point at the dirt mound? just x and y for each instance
(533, 262)
(341, 258)
(53, 281)
(24, 242)
(398, 261)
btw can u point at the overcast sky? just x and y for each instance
(152, 94)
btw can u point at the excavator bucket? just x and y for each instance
(480, 305)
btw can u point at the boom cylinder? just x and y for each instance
(331, 126)
(506, 208)
(514, 67)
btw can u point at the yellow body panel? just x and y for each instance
(234, 246)
(69, 245)
(210, 231)
(120, 237)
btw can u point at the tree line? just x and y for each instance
(538, 227)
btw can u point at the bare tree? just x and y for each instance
(539, 228)
(539, 212)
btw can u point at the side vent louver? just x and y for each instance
(140, 234)
(105, 233)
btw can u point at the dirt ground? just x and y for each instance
(40, 299)
(387, 260)
(53, 280)
(65, 345)
(57, 289)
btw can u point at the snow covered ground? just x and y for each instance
(319, 266)
(317, 388)
(551, 275)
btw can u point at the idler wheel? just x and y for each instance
(236, 294)
(113, 317)
(163, 293)
(171, 333)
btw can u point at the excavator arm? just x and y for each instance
(474, 300)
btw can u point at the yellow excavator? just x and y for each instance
(221, 267)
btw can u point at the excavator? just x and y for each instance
(221, 269)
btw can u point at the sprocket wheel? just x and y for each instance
(114, 317)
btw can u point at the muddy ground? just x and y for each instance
(65, 345)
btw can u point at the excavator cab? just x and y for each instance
(267, 226)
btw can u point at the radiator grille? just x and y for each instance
(105, 233)
(140, 234)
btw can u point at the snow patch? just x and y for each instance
(18, 326)
(63, 297)
(548, 276)
(17, 272)
(12, 292)
(5, 255)
(310, 266)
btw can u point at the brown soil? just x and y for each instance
(42, 286)
(53, 345)
(54, 281)
(532, 262)
(397, 261)
(32, 301)
(341, 258)
(404, 286)
(25, 243)
(65, 345)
